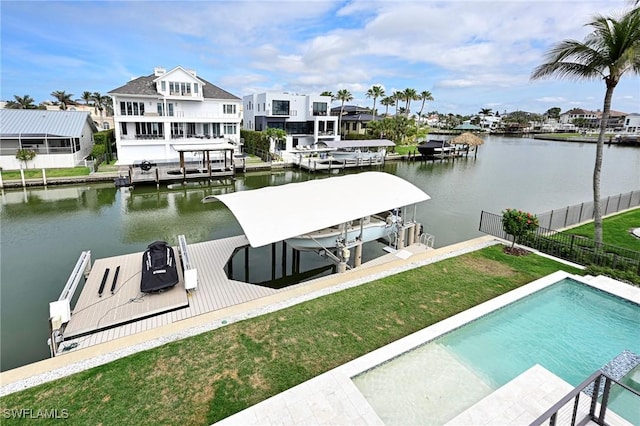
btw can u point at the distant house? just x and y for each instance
(59, 138)
(305, 118)
(102, 122)
(632, 123)
(591, 117)
(159, 112)
(354, 118)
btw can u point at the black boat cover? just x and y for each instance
(159, 271)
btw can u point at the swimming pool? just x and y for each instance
(569, 328)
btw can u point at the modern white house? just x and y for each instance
(632, 123)
(58, 138)
(168, 109)
(305, 118)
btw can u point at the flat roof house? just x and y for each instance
(58, 138)
(160, 112)
(305, 118)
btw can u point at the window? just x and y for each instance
(195, 88)
(135, 109)
(228, 109)
(170, 106)
(105, 125)
(205, 129)
(160, 109)
(123, 128)
(230, 128)
(319, 108)
(163, 84)
(280, 108)
(129, 108)
(123, 108)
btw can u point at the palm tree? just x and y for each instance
(21, 102)
(485, 111)
(87, 97)
(375, 92)
(343, 95)
(99, 102)
(425, 95)
(409, 95)
(398, 95)
(387, 102)
(612, 49)
(63, 98)
(327, 93)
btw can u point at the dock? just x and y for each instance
(95, 320)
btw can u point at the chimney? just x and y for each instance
(157, 71)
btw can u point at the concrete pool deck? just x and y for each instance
(333, 398)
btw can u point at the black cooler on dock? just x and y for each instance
(159, 271)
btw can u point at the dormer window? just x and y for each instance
(163, 85)
(195, 88)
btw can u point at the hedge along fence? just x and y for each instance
(254, 142)
(575, 248)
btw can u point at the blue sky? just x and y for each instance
(470, 54)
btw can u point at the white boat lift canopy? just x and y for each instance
(275, 213)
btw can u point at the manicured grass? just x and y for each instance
(205, 378)
(406, 149)
(51, 173)
(616, 230)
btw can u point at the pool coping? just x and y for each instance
(333, 398)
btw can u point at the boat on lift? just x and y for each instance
(348, 234)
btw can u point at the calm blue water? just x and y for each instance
(569, 328)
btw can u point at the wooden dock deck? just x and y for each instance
(214, 291)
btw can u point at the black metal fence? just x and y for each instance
(575, 248)
(572, 215)
(578, 407)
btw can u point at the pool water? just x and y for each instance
(568, 328)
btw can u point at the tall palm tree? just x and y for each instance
(425, 95)
(63, 98)
(21, 102)
(387, 102)
(409, 95)
(343, 95)
(611, 50)
(99, 103)
(375, 92)
(485, 111)
(398, 96)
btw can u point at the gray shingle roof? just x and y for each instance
(41, 122)
(146, 86)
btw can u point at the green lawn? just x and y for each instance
(205, 378)
(406, 149)
(51, 173)
(616, 230)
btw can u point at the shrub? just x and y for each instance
(518, 223)
(25, 155)
(627, 276)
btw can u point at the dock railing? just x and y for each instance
(579, 213)
(190, 272)
(60, 310)
(578, 407)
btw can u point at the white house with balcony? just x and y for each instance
(58, 138)
(305, 118)
(160, 112)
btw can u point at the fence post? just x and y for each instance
(606, 206)
(580, 215)
(550, 219)
(44, 177)
(630, 198)
(566, 216)
(24, 184)
(619, 199)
